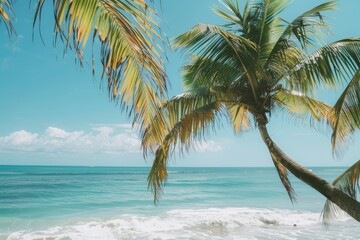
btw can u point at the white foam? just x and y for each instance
(213, 223)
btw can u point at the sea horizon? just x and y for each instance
(66, 202)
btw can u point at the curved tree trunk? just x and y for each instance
(345, 202)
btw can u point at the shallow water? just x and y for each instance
(198, 203)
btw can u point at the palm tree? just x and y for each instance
(130, 40)
(254, 65)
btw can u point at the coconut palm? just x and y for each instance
(130, 40)
(245, 70)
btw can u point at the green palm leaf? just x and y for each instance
(290, 40)
(184, 133)
(347, 112)
(222, 47)
(268, 21)
(231, 13)
(328, 66)
(239, 116)
(205, 73)
(347, 182)
(171, 113)
(130, 52)
(298, 105)
(306, 29)
(284, 178)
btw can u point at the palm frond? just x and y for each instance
(257, 23)
(306, 29)
(279, 64)
(346, 111)
(328, 66)
(130, 52)
(231, 13)
(6, 15)
(182, 135)
(222, 47)
(283, 174)
(348, 182)
(292, 39)
(268, 14)
(239, 116)
(296, 104)
(205, 73)
(171, 113)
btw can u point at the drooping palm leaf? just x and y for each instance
(171, 113)
(328, 66)
(130, 47)
(298, 105)
(283, 174)
(183, 134)
(347, 182)
(347, 111)
(6, 14)
(239, 116)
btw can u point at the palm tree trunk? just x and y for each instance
(345, 202)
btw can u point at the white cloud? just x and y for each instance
(108, 140)
(19, 138)
(104, 128)
(54, 132)
(106, 131)
(104, 139)
(209, 146)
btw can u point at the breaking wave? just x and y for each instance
(213, 223)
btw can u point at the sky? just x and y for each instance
(53, 112)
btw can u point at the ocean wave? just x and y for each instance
(213, 223)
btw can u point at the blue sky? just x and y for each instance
(52, 112)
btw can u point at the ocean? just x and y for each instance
(62, 203)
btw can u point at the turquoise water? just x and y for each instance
(39, 202)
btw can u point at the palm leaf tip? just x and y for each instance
(283, 174)
(348, 182)
(346, 109)
(158, 173)
(180, 122)
(130, 48)
(300, 106)
(7, 15)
